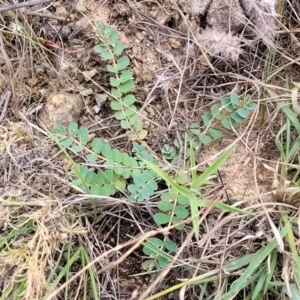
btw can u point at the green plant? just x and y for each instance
(173, 205)
(122, 80)
(229, 112)
(287, 141)
(156, 249)
(115, 171)
(170, 153)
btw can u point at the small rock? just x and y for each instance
(174, 43)
(140, 35)
(61, 11)
(96, 108)
(100, 99)
(89, 74)
(61, 108)
(87, 92)
(81, 6)
(32, 81)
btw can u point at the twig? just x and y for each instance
(48, 16)
(23, 4)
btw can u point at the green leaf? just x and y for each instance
(129, 99)
(120, 185)
(236, 117)
(132, 188)
(90, 177)
(107, 55)
(92, 157)
(127, 86)
(83, 135)
(122, 62)
(114, 81)
(206, 140)
(116, 93)
(234, 99)
(216, 112)
(226, 123)
(109, 164)
(181, 212)
(130, 110)
(119, 115)
(117, 156)
(162, 262)
(177, 220)
(125, 159)
(119, 170)
(111, 69)
(142, 134)
(229, 108)
(150, 245)
(182, 200)
(165, 205)
(119, 48)
(169, 195)
(59, 129)
(96, 190)
(106, 151)
(97, 145)
(215, 133)
(126, 173)
(108, 29)
(207, 117)
(66, 142)
(243, 112)
(133, 119)
(225, 101)
(125, 75)
(83, 171)
(145, 193)
(116, 105)
(251, 106)
(125, 124)
(100, 49)
(170, 246)
(73, 128)
(113, 37)
(161, 219)
(77, 148)
(107, 190)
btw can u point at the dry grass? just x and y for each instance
(53, 247)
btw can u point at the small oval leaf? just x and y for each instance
(161, 219)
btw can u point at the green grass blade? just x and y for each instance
(64, 271)
(259, 285)
(192, 163)
(194, 213)
(212, 169)
(253, 266)
(92, 276)
(182, 190)
(291, 240)
(271, 271)
(225, 207)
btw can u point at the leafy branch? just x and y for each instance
(117, 172)
(122, 80)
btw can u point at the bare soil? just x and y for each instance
(176, 83)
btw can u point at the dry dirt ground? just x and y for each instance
(48, 48)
